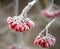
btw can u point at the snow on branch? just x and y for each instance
(27, 8)
(47, 26)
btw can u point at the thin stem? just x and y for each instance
(47, 26)
(47, 31)
(26, 9)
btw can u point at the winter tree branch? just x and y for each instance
(27, 8)
(47, 26)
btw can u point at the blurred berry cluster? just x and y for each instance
(20, 25)
(45, 41)
(51, 12)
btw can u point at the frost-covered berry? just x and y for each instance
(51, 41)
(26, 28)
(16, 28)
(47, 14)
(45, 41)
(37, 40)
(12, 25)
(21, 28)
(30, 23)
(9, 19)
(51, 12)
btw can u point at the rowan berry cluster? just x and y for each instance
(45, 41)
(20, 25)
(51, 12)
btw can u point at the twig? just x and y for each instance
(26, 9)
(47, 26)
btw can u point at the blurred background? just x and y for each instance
(9, 37)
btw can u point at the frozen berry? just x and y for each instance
(9, 19)
(37, 40)
(26, 28)
(30, 23)
(21, 28)
(45, 41)
(51, 12)
(16, 28)
(12, 25)
(47, 14)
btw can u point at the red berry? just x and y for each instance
(12, 25)
(30, 23)
(37, 40)
(9, 19)
(16, 28)
(45, 41)
(21, 28)
(50, 14)
(50, 42)
(26, 28)
(44, 44)
(47, 14)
